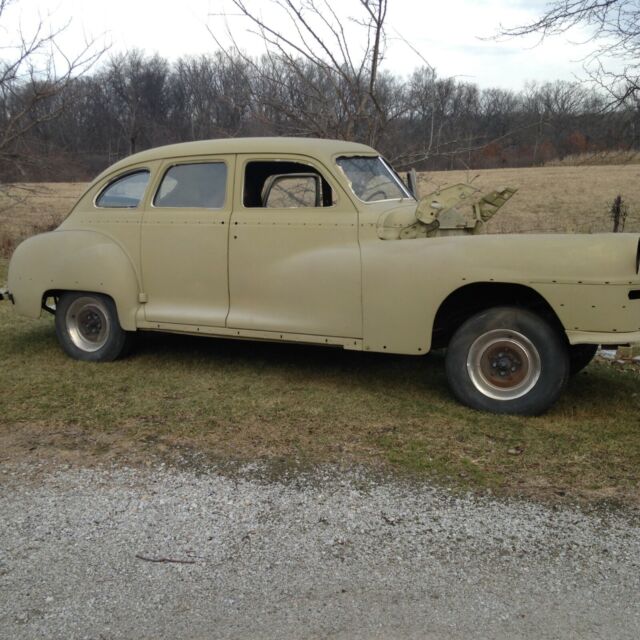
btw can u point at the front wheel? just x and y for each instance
(507, 360)
(87, 327)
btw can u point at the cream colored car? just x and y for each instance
(319, 241)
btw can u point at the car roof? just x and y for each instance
(316, 147)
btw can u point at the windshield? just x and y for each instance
(371, 178)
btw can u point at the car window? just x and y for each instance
(124, 192)
(200, 184)
(371, 179)
(284, 184)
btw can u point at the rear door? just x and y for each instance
(184, 242)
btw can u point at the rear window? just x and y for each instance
(193, 185)
(124, 192)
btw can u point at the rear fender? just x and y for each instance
(73, 260)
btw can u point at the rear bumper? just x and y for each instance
(603, 337)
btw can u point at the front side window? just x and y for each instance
(283, 184)
(371, 179)
(125, 192)
(193, 185)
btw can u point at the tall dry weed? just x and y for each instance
(9, 240)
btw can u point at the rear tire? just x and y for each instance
(507, 360)
(88, 328)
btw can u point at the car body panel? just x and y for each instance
(184, 255)
(295, 270)
(74, 260)
(406, 281)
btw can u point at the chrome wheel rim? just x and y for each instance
(87, 321)
(503, 364)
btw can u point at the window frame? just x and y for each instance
(389, 168)
(122, 176)
(187, 162)
(312, 166)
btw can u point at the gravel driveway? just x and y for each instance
(331, 554)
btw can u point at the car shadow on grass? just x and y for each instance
(296, 359)
(592, 388)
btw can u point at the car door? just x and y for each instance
(294, 257)
(184, 241)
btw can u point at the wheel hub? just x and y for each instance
(503, 364)
(88, 323)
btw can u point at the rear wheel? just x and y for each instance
(87, 327)
(507, 360)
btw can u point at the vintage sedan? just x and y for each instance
(320, 241)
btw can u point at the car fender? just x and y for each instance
(73, 260)
(585, 280)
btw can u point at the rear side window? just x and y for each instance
(193, 185)
(124, 192)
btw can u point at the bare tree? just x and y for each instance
(136, 91)
(210, 97)
(310, 56)
(34, 73)
(613, 27)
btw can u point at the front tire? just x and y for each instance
(88, 328)
(507, 360)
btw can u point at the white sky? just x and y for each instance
(446, 32)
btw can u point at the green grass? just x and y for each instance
(183, 398)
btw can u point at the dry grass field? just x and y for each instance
(597, 158)
(26, 209)
(187, 400)
(574, 199)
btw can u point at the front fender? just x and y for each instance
(70, 260)
(585, 279)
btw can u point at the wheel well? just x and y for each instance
(56, 293)
(51, 293)
(479, 296)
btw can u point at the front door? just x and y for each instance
(294, 257)
(184, 242)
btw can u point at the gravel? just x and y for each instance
(331, 553)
